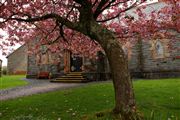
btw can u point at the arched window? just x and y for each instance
(159, 48)
(43, 49)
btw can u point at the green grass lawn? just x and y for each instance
(11, 81)
(160, 96)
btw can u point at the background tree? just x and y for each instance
(84, 26)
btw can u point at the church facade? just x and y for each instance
(155, 58)
(147, 59)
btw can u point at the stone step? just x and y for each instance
(74, 74)
(70, 81)
(70, 78)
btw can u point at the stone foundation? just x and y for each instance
(156, 74)
(94, 76)
(34, 76)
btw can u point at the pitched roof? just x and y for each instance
(15, 50)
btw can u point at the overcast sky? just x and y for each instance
(3, 58)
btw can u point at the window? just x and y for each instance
(159, 49)
(43, 49)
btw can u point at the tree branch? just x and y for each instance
(83, 2)
(100, 6)
(105, 20)
(94, 3)
(107, 7)
(60, 19)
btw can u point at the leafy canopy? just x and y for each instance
(65, 24)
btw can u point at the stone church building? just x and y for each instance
(152, 59)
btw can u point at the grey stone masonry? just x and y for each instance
(167, 64)
(160, 64)
(34, 68)
(147, 59)
(17, 61)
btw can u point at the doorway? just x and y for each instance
(76, 62)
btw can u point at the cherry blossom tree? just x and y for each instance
(86, 26)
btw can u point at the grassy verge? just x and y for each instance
(160, 96)
(11, 81)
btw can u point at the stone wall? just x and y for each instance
(166, 65)
(134, 59)
(44, 64)
(32, 67)
(17, 61)
(143, 62)
(160, 64)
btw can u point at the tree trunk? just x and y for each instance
(124, 94)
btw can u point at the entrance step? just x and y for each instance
(75, 73)
(72, 77)
(67, 78)
(70, 81)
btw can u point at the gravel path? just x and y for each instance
(35, 87)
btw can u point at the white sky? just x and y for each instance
(3, 58)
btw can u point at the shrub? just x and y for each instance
(4, 70)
